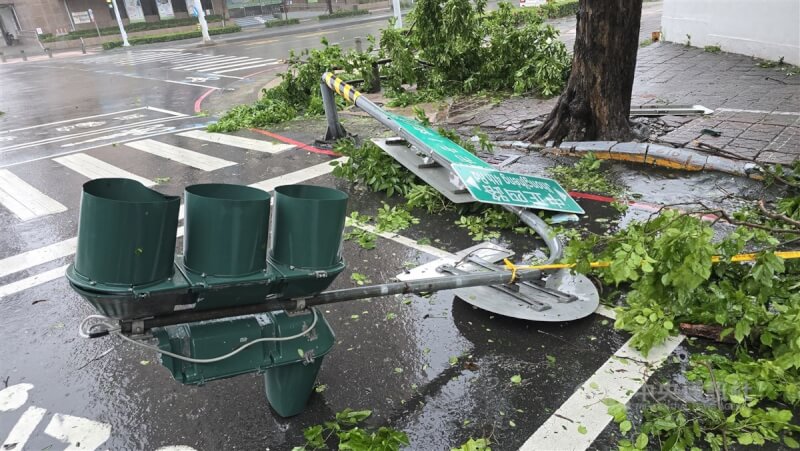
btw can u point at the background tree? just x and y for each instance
(596, 102)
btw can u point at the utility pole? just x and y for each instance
(113, 6)
(201, 17)
(398, 15)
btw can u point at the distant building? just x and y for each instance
(24, 18)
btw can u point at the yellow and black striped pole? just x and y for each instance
(343, 89)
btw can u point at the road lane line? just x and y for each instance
(183, 83)
(248, 67)
(53, 274)
(37, 257)
(32, 281)
(91, 132)
(161, 110)
(78, 119)
(167, 131)
(237, 141)
(78, 433)
(25, 201)
(214, 67)
(619, 378)
(199, 63)
(184, 156)
(191, 66)
(19, 435)
(298, 176)
(93, 168)
(197, 59)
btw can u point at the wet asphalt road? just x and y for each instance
(107, 394)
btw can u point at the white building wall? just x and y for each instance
(768, 29)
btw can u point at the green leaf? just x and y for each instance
(790, 442)
(641, 441)
(582, 429)
(398, 370)
(516, 379)
(625, 426)
(745, 438)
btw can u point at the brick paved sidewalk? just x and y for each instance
(756, 109)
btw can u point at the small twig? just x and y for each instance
(105, 353)
(776, 216)
(563, 417)
(5, 381)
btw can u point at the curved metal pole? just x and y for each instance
(541, 228)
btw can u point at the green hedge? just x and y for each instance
(171, 37)
(344, 13)
(281, 23)
(562, 8)
(550, 10)
(130, 28)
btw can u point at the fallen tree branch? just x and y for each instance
(776, 216)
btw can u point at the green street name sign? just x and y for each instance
(497, 187)
(437, 143)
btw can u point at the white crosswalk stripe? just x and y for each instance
(248, 67)
(181, 155)
(25, 201)
(187, 61)
(237, 141)
(93, 168)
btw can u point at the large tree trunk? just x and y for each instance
(596, 102)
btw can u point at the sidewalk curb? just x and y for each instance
(657, 155)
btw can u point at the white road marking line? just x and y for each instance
(736, 110)
(248, 67)
(408, 242)
(298, 176)
(237, 141)
(181, 155)
(37, 257)
(25, 201)
(67, 247)
(207, 61)
(32, 281)
(141, 59)
(72, 120)
(198, 60)
(93, 132)
(619, 378)
(190, 84)
(165, 131)
(19, 435)
(93, 168)
(188, 58)
(14, 397)
(161, 110)
(80, 433)
(225, 64)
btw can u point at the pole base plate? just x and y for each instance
(560, 296)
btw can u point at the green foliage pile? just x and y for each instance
(465, 50)
(585, 175)
(665, 265)
(281, 23)
(172, 36)
(298, 93)
(451, 47)
(374, 168)
(343, 13)
(130, 28)
(346, 432)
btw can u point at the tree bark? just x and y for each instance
(330, 6)
(597, 100)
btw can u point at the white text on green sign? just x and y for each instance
(497, 187)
